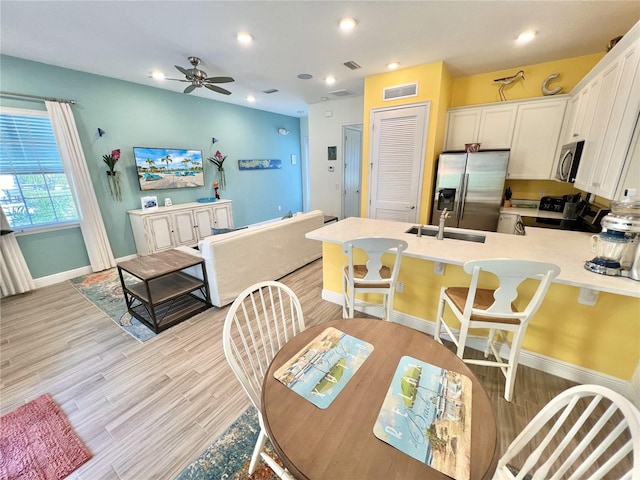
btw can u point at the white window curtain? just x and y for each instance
(14, 274)
(75, 166)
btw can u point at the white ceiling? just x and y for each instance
(130, 39)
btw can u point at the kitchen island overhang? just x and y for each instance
(580, 341)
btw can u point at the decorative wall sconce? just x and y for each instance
(283, 131)
(213, 140)
(101, 132)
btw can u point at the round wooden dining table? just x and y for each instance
(338, 442)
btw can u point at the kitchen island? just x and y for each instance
(587, 329)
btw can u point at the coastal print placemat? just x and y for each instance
(323, 367)
(427, 415)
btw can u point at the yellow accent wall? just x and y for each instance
(478, 89)
(604, 338)
(434, 86)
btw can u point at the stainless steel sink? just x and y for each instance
(468, 237)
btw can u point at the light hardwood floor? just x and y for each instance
(147, 410)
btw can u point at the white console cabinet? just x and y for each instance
(184, 224)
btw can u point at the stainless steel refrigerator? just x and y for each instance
(470, 186)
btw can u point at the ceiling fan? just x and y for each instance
(198, 78)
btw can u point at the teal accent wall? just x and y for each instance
(134, 115)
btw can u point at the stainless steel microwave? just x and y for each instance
(569, 161)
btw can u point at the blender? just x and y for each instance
(617, 246)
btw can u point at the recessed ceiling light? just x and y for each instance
(393, 65)
(251, 98)
(525, 37)
(245, 38)
(158, 75)
(348, 23)
(330, 80)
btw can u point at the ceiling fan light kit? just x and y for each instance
(198, 78)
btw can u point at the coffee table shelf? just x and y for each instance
(163, 295)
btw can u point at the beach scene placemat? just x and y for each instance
(320, 370)
(427, 415)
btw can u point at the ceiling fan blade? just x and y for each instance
(177, 79)
(219, 79)
(189, 89)
(218, 89)
(184, 71)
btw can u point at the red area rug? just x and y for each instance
(38, 443)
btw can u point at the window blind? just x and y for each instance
(27, 145)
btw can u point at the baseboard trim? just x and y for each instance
(553, 366)
(69, 274)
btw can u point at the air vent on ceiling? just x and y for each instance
(400, 91)
(352, 65)
(271, 90)
(341, 93)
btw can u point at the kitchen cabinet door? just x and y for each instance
(614, 117)
(535, 139)
(507, 223)
(578, 123)
(587, 161)
(462, 127)
(616, 140)
(496, 127)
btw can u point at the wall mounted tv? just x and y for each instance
(160, 168)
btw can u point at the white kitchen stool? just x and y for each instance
(583, 432)
(260, 321)
(372, 276)
(494, 310)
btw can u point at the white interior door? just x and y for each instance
(397, 156)
(352, 148)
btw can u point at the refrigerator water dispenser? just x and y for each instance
(446, 198)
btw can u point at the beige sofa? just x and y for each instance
(266, 251)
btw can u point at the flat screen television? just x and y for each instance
(161, 168)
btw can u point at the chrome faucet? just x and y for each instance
(443, 218)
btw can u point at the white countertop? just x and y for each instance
(566, 249)
(530, 212)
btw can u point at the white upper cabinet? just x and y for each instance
(462, 127)
(535, 139)
(530, 128)
(491, 126)
(614, 103)
(496, 126)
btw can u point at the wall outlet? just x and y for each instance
(400, 287)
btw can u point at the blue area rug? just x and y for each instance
(103, 289)
(229, 456)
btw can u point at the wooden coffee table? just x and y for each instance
(161, 295)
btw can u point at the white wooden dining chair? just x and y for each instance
(260, 321)
(495, 310)
(371, 276)
(585, 432)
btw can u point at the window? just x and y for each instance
(34, 191)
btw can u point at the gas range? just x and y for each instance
(586, 221)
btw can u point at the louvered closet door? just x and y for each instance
(398, 146)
